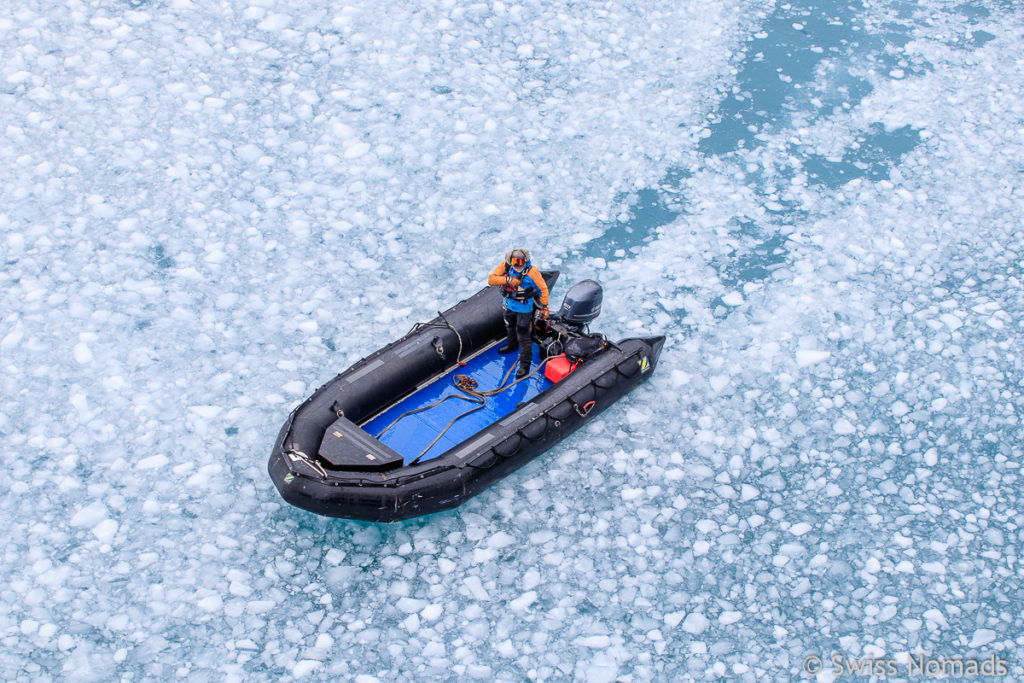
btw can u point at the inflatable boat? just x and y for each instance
(437, 416)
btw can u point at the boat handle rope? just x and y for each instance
(458, 356)
(437, 344)
(585, 410)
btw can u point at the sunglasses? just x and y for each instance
(518, 261)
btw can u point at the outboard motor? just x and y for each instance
(582, 303)
(567, 334)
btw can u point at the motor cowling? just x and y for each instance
(582, 303)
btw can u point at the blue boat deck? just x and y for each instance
(413, 432)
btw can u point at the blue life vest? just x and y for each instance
(521, 301)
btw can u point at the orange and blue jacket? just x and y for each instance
(531, 287)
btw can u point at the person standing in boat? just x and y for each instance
(524, 290)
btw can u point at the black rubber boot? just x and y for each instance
(509, 347)
(525, 358)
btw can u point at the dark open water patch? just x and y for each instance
(981, 37)
(778, 72)
(158, 255)
(755, 263)
(623, 238)
(871, 156)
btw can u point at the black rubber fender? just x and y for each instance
(561, 411)
(509, 446)
(630, 368)
(536, 429)
(607, 380)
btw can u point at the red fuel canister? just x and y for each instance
(558, 368)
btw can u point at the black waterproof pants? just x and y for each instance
(520, 330)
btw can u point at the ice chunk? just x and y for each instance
(410, 605)
(305, 668)
(808, 357)
(843, 426)
(629, 494)
(994, 537)
(356, 150)
(152, 462)
(207, 412)
(598, 642)
(733, 299)
(636, 417)
(951, 321)
(239, 589)
(748, 492)
(295, 388)
(83, 354)
(248, 153)
(105, 530)
(521, 603)
(501, 540)
(211, 603)
(12, 339)
(476, 588)
(90, 515)
(695, 623)
(275, 22)
(983, 636)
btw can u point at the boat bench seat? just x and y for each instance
(347, 447)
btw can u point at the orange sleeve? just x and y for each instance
(497, 276)
(543, 286)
